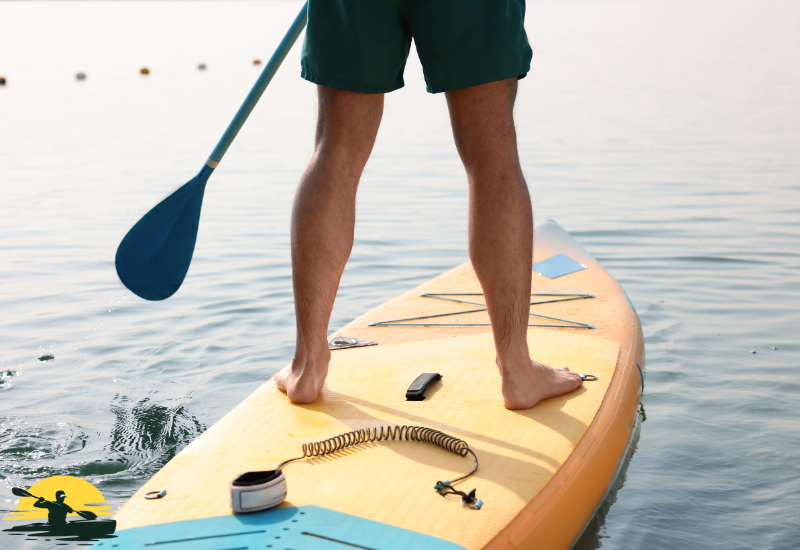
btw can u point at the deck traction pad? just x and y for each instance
(302, 528)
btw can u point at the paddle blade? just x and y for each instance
(153, 258)
(21, 492)
(85, 514)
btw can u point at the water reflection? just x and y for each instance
(593, 536)
(148, 434)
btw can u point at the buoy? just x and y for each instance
(144, 70)
(256, 62)
(80, 76)
(202, 66)
(2, 81)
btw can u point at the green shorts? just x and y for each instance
(362, 45)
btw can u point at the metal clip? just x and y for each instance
(345, 342)
(475, 504)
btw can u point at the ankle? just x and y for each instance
(313, 359)
(513, 359)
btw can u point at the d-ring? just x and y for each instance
(152, 495)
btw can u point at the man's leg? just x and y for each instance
(501, 236)
(323, 220)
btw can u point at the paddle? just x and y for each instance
(153, 258)
(23, 493)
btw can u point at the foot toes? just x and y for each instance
(280, 380)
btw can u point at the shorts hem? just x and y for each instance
(351, 85)
(478, 81)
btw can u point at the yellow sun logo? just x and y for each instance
(80, 495)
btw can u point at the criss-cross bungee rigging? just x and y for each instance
(444, 296)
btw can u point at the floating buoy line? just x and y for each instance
(144, 71)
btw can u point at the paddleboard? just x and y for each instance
(542, 472)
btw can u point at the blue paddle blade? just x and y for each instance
(153, 258)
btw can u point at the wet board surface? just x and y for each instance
(531, 462)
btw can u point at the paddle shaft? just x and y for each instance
(153, 258)
(258, 89)
(23, 493)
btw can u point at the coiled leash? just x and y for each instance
(254, 491)
(400, 433)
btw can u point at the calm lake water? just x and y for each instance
(664, 135)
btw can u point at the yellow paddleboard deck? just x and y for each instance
(542, 473)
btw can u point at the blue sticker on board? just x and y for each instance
(557, 266)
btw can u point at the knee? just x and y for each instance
(347, 124)
(491, 142)
(345, 147)
(482, 119)
(490, 153)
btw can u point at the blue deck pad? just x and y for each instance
(557, 266)
(303, 528)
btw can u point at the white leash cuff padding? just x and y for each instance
(256, 491)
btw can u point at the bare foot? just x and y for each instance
(303, 379)
(528, 382)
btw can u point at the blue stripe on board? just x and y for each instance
(642, 375)
(630, 303)
(303, 528)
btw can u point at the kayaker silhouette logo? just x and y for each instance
(55, 501)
